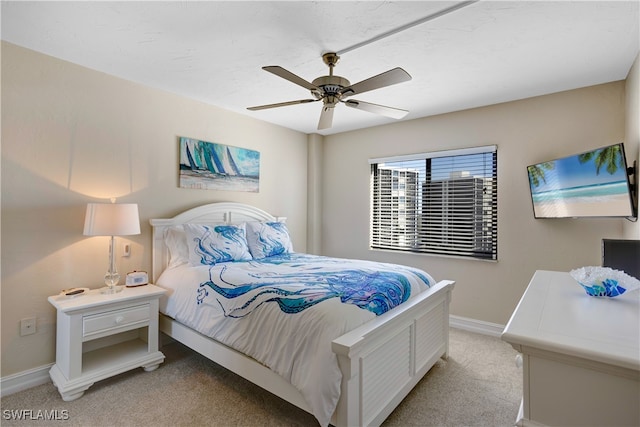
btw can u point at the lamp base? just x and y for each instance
(111, 290)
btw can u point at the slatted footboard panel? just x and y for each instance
(383, 361)
(431, 334)
(384, 372)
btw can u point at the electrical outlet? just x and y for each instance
(27, 326)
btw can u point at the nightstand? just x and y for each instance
(99, 336)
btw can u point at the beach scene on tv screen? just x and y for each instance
(588, 184)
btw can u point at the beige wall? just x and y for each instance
(526, 132)
(71, 136)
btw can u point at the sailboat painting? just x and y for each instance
(210, 166)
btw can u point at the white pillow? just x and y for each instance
(175, 239)
(210, 244)
(267, 239)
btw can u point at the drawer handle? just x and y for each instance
(119, 320)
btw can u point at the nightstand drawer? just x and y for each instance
(116, 320)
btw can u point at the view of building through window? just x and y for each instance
(442, 204)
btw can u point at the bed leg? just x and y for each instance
(347, 411)
(445, 356)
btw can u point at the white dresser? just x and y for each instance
(580, 354)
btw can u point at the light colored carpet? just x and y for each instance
(478, 385)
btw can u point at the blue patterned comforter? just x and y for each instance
(285, 310)
(371, 288)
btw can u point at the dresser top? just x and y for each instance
(555, 314)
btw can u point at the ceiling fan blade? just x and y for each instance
(281, 104)
(288, 75)
(388, 78)
(326, 118)
(394, 113)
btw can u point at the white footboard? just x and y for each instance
(383, 360)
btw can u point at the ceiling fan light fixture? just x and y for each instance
(331, 84)
(330, 101)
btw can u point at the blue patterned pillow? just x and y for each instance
(267, 239)
(210, 244)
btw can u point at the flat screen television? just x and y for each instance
(595, 183)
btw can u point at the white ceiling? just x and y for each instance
(485, 53)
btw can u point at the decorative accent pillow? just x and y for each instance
(267, 239)
(175, 239)
(210, 244)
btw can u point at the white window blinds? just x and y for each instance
(440, 203)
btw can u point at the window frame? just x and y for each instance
(471, 229)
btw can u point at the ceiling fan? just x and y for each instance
(332, 90)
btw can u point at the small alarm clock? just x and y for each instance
(136, 278)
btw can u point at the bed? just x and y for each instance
(379, 361)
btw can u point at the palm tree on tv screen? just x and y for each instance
(610, 157)
(536, 172)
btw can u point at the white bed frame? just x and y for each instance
(381, 361)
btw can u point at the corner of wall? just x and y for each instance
(314, 193)
(631, 230)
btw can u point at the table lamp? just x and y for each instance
(111, 219)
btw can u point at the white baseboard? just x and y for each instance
(24, 380)
(477, 326)
(37, 376)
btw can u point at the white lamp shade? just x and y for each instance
(111, 219)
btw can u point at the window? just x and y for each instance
(437, 203)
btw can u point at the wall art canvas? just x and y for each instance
(210, 166)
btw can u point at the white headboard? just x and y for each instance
(214, 213)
